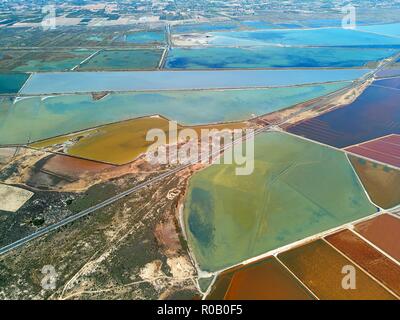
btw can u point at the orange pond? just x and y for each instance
(384, 232)
(319, 267)
(262, 280)
(368, 258)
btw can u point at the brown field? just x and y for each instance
(371, 260)
(262, 280)
(73, 167)
(266, 280)
(384, 232)
(381, 182)
(319, 267)
(221, 285)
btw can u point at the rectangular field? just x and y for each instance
(263, 280)
(112, 60)
(385, 149)
(367, 257)
(384, 232)
(319, 267)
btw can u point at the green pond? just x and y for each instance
(37, 118)
(12, 82)
(123, 60)
(50, 61)
(143, 37)
(298, 189)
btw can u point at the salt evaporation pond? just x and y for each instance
(75, 82)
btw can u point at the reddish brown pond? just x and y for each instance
(263, 280)
(367, 257)
(73, 167)
(320, 268)
(384, 232)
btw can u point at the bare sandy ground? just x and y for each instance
(12, 198)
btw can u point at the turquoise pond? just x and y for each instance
(11, 83)
(143, 37)
(110, 60)
(51, 60)
(391, 29)
(272, 57)
(318, 23)
(308, 37)
(36, 118)
(75, 82)
(258, 24)
(204, 27)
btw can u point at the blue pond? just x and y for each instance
(309, 37)
(272, 57)
(391, 29)
(374, 114)
(75, 82)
